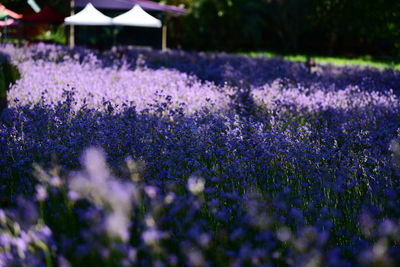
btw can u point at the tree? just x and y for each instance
(290, 19)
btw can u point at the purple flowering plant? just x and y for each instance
(134, 157)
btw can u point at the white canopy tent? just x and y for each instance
(88, 16)
(137, 17)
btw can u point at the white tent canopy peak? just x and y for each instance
(137, 17)
(88, 16)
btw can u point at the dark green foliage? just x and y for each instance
(359, 25)
(334, 27)
(293, 26)
(8, 74)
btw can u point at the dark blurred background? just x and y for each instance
(321, 27)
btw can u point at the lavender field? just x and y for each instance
(147, 158)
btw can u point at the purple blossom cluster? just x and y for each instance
(147, 158)
(46, 81)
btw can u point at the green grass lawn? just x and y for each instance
(340, 61)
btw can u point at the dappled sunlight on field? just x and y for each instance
(136, 158)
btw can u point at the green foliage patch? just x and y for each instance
(8, 74)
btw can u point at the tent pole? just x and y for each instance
(164, 37)
(71, 38)
(20, 34)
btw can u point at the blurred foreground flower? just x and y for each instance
(96, 184)
(196, 185)
(24, 244)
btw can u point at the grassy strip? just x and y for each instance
(366, 61)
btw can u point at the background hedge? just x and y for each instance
(328, 27)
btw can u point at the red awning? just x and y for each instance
(46, 15)
(10, 13)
